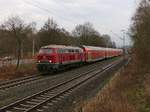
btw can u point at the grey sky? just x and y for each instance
(106, 15)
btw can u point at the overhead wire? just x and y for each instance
(36, 4)
(53, 8)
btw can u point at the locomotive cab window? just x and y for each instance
(45, 51)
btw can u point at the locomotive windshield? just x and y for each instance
(45, 51)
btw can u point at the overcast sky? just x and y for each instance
(105, 15)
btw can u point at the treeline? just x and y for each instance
(19, 39)
(141, 34)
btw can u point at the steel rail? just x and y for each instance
(15, 82)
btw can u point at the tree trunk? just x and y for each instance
(18, 55)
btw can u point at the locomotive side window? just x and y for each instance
(70, 50)
(45, 50)
(61, 50)
(77, 51)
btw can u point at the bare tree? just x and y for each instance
(17, 28)
(87, 35)
(50, 33)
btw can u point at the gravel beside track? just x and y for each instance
(21, 91)
(44, 99)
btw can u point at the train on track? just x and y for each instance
(57, 57)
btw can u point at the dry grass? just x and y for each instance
(128, 91)
(10, 72)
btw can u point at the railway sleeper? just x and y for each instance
(31, 102)
(20, 109)
(45, 107)
(50, 104)
(26, 105)
(41, 98)
(36, 100)
(45, 96)
(54, 101)
(9, 111)
(58, 98)
(39, 110)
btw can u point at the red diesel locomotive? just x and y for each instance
(56, 57)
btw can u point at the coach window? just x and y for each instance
(46, 50)
(70, 50)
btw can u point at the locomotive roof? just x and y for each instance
(61, 46)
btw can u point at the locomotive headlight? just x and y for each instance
(50, 61)
(39, 61)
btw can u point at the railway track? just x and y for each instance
(45, 99)
(19, 81)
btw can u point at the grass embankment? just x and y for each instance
(10, 72)
(128, 91)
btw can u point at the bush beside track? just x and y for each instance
(10, 72)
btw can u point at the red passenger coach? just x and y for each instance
(54, 57)
(94, 53)
(113, 52)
